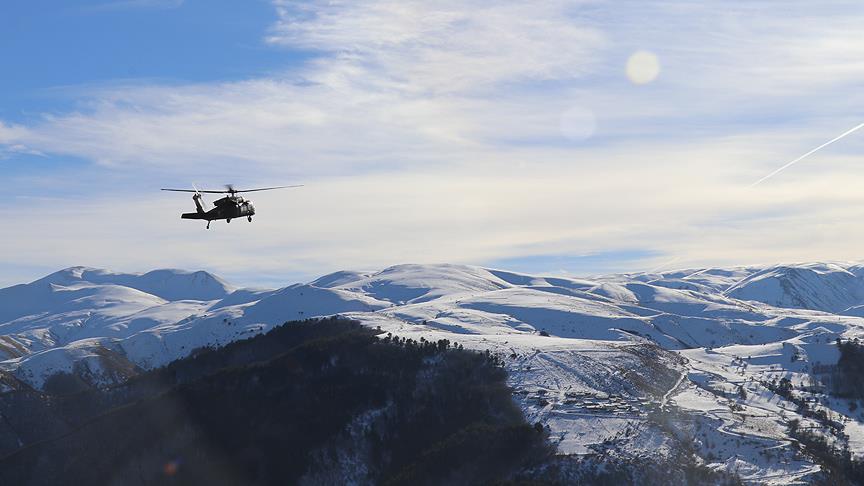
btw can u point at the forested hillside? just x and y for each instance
(312, 402)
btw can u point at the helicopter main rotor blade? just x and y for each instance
(233, 191)
(191, 190)
(267, 188)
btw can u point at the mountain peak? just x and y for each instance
(168, 284)
(417, 282)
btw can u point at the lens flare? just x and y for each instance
(171, 467)
(643, 67)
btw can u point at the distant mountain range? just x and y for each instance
(593, 358)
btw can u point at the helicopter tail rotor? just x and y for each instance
(199, 200)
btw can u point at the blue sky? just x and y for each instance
(570, 136)
(57, 51)
(52, 46)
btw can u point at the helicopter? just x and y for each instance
(228, 207)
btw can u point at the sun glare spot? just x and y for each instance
(643, 67)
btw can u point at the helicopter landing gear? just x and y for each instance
(249, 218)
(208, 224)
(227, 220)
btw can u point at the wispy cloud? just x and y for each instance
(425, 48)
(402, 75)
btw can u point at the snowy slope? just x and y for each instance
(592, 358)
(826, 287)
(407, 284)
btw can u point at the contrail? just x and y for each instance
(856, 128)
(664, 265)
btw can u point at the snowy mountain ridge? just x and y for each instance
(589, 357)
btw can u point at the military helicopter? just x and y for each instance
(228, 207)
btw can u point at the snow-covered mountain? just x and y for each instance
(592, 358)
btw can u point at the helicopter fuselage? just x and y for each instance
(227, 208)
